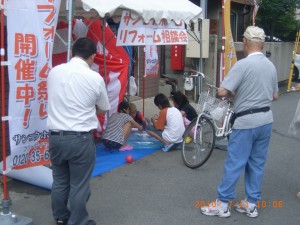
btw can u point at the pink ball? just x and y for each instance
(129, 159)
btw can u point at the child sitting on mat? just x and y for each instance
(118, 128)
(137, 115)
(168, 126)
(188, 112)
(182, 103)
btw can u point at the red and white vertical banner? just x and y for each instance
(31, 28)
(117, 59)
(151, 61)
(117, 64)
(137, 32)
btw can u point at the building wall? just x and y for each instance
(176, 77)
(281, 56)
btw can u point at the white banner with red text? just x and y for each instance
(137, 32)
(151, 60)
(31, 28)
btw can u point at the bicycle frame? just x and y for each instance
(222, 131)
(225, 129)
(212, 121)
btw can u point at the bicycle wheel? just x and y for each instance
(197, 148)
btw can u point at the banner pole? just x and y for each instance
(6, 216)
(5, 207)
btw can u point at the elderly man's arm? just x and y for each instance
(276, 96)
(223, 92)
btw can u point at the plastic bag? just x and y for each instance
(188, 83)
(218, 113)
(295, 124)
(132, 86)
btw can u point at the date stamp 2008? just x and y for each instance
(232, 203)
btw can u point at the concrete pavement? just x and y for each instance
(159, 190)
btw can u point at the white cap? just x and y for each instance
(255, 34)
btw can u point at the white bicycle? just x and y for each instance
(213, 121)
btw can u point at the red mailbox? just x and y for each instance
(177, 57)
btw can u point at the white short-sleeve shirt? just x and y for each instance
(74, 90)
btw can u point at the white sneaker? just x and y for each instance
(243, 207)
(216, 209)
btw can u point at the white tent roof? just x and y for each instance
(176, 10)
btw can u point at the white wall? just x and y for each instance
(281, 56)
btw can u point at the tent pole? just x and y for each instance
(200, 79)
(69, 8)
(103, 44)
(104, 54)
(138, 70)
(144, 80)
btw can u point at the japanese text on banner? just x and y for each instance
(151, 60)
(29, 51)
(137, 32)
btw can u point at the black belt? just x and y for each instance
(251, 111)
(69, 132)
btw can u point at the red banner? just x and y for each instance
(117, 59)
(117, 63)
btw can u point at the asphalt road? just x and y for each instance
(159, 190)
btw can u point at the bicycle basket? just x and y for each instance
(215, 107)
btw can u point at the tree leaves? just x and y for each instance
(278, 18)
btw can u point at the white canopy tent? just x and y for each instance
(169, 10)
(175, 10)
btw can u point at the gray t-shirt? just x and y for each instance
(253, 80)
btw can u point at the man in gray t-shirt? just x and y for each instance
(252, 83)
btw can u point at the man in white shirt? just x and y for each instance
(75, 94)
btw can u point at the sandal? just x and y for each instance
(167, 147)
(126, 148)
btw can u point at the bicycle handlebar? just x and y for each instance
(204, 77)
(198, 73)
(212, 86)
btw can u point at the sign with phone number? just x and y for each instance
(35, 156)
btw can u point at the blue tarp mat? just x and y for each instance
(142, 143)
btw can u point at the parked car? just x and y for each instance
(295, 76)
(275, 39)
